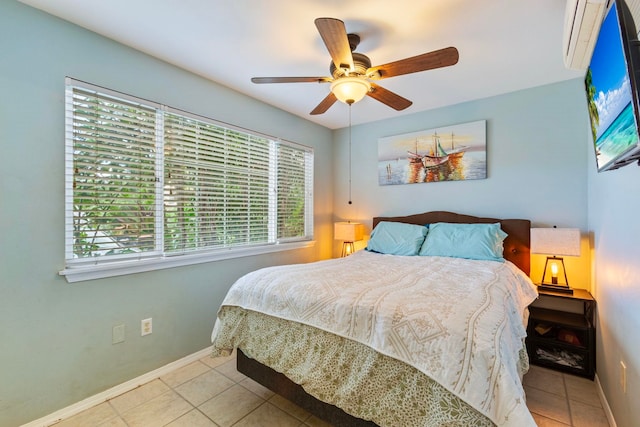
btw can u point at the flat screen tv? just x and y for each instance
(612, 93)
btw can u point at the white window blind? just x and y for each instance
(145, 180)
(113, 178)
(295, 174)
(216, 186)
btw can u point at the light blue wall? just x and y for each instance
(536, 156)
(55, 337)
(536, 166)
(614, 220)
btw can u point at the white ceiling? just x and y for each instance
(504, 45)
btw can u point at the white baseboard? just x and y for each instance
(605, 404)
(96, 399)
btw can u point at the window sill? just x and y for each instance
(103, 270)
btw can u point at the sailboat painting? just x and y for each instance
(448, 153)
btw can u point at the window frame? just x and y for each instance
(80, 269)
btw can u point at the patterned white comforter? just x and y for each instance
(461, 322)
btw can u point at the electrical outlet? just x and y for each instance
(146, 327)
(623, 377)
(117, 335)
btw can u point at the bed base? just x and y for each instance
(293, 392)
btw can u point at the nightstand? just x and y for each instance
(561, 332)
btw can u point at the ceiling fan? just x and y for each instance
(352, 73)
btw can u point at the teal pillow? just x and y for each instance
(396, 238)
(470, 241)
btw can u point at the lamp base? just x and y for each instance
(347, 249)
(555, 288)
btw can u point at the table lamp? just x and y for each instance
(348, 232)
(555, 241)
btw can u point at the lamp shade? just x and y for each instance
(350, 89)
(555, 241)
(348, 231)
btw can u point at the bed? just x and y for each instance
(389, 339)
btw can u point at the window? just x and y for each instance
(146, 183)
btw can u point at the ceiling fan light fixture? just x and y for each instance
(351, 72)
(350, 89)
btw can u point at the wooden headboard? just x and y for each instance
(516, 245)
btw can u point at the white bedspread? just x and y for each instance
(461, 322)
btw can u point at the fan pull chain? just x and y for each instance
(350, 104)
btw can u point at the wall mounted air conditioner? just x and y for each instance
(581, 27)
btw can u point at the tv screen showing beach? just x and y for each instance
(609, 95)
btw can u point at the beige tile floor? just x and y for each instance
(211, 393)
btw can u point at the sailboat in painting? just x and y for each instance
(456, 152)
(437, 155)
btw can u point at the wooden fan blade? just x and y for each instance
(427, 61)
(291, 79)
(325, 104)
(389, 98)
(334, 35)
